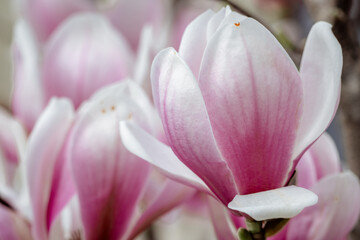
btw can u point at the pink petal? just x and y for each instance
(195, 32)
(220, 217)
(336, 212)
(13, 226)
(306, 171)
(43, 151)
(320, 72)
(12, 144)
(186, 123)
(109, 179)
(46, 15)
(27, 96)
(171, 195)
(84, 54)
(147, 147)
(252, 92)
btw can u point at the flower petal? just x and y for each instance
(43, 150)
(186, 124)
(109, 179)
(13, 226)
(285, 202)
(320, 72)
(84, 54)
(27, 97)
(195, 32)
(254, 103)
(339, 205)
(155, 152)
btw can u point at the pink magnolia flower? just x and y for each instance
(235, 109)
(80, 154)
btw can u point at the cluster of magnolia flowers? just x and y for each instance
(104, 138)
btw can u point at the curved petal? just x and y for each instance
(171, 195)
(109, 179)
(285, 202)
(306, 171)
(320, 72)
(27, 96)
(186, 123)
(84, 54)
(253, 95)
(223, 227)
(155, 152)
(46, 15)
(194, 41)
(43, 150)
(13, 226)
(339, 205)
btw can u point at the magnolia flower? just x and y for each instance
(80, 154)
(237, 113)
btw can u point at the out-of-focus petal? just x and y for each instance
(27, 96)
(84, 54)
(254, 103)
(186, 123)
(336, 212)
(285, 202)
(43, 151)
(306, 171)
(223, 227)
(320, 72)
(155, 152)
(171, 195)
(109, 179)
(13, 226)
(12, 145)
(46, 15)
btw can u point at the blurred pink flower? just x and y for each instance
(81, 154)
(235, 109)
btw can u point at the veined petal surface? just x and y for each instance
(186, 123)
(253, 95)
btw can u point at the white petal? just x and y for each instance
(284, 202)
(155, 152)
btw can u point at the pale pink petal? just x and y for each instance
(253, 95)
(194, 41)
(43, 150)
(12, 144)
(109, 179)
(306, 171)
(171, 195)
(336, 212)
(13, 226)
(325, 156)
(46, 15)
(84, 54)
(27, 96)
(285, 202)
(155, 152)
(186, 123)
(320, 72)
(220, 217)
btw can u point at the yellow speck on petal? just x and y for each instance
(113, 108)
(103, 110)
(237, 24)
(130, 116)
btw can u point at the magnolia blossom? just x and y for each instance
(237, 113)
(84, 53)
(80, 154)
